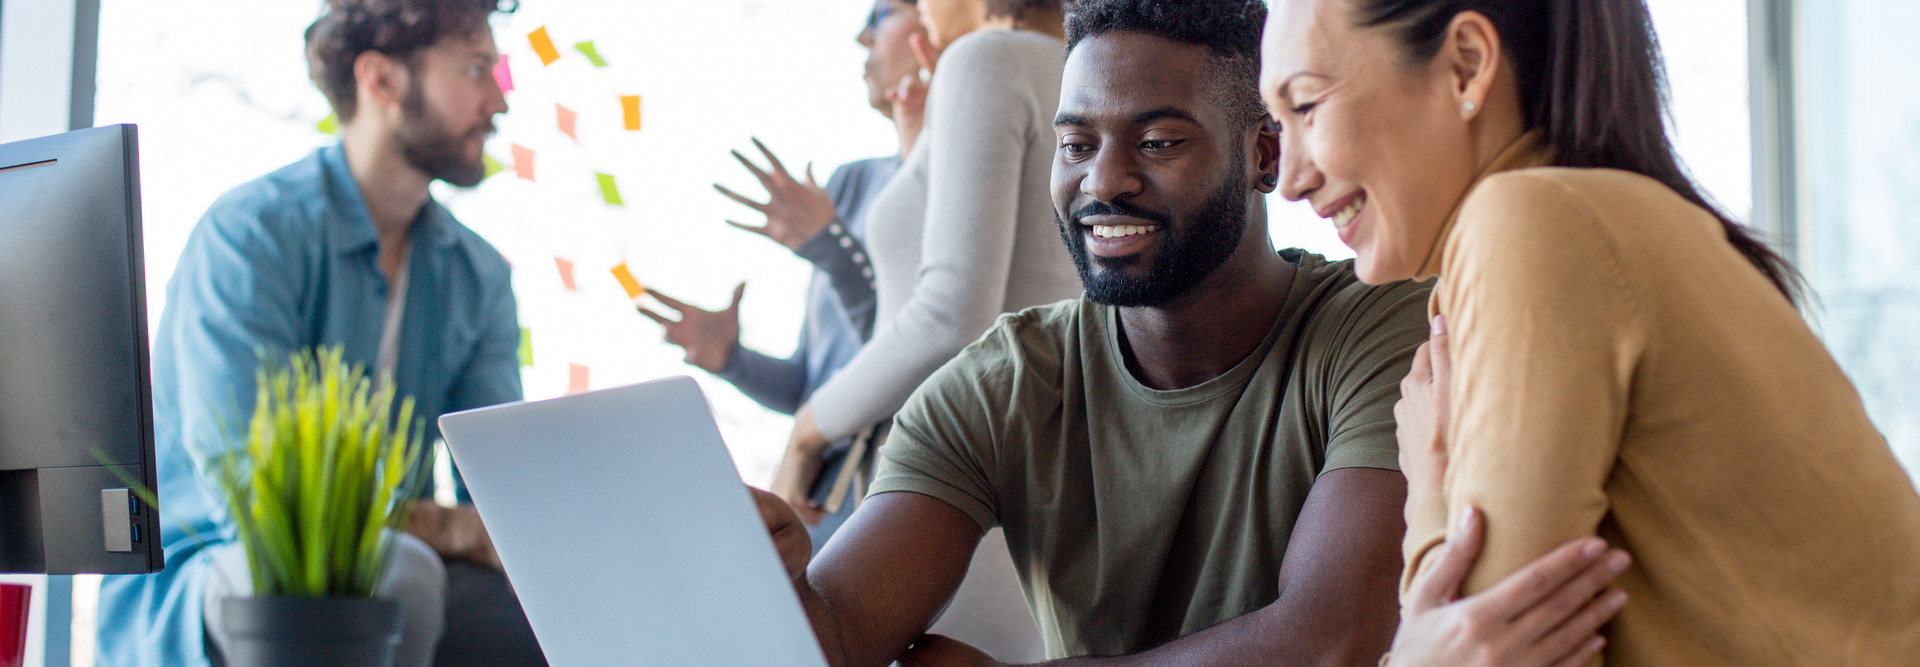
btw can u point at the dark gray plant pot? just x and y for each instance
(315, 632)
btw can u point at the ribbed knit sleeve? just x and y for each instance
(983, 108)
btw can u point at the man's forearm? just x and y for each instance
(1269, 636)
(826, 628)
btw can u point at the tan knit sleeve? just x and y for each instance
(1546, 334)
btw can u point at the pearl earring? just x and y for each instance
(1469, 106)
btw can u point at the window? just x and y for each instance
(1860, 135)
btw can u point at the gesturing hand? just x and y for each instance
(1548, 613)
(708, 336)
(1420, 417)
(795, 210)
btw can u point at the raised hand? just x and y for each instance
(796, 210)
(909, 100)
(924, 51)
(707, 336)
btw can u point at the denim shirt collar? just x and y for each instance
(353, 230)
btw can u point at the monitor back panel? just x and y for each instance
(75, 400)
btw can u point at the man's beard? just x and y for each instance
(427, 144)
(1185, 257)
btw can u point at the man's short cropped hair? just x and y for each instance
(396, 28)
(1229, 29)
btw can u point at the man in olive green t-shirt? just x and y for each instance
(1194, 464)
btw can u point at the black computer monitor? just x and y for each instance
(76, 398)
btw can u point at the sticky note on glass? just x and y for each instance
(526, 347)
(490, 166)
(567, 118)
(329, 125)
(502, 75)
(630, 106)
(628, 282)
(566, 273)
(576, 378)
(543, 45)
(593, 55)
(608, 190)
(523, 161)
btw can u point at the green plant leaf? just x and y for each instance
(324, 472)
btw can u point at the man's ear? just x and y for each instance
(380, 81)
(1473, 53)
(1266, 153)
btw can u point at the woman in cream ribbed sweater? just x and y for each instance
(965, 229)
(1624, 361)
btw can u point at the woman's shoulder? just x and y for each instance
(1001, 49)
(1546, 200)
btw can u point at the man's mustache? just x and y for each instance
(1119, 208)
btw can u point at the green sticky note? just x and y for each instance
(490, 165)
(593, 55)
(608, 190)
(526, 347)
(329, 125)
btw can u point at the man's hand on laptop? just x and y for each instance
(789, 536)
(453, 532)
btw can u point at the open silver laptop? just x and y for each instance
(627, 532)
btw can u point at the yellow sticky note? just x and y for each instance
(526, 347)
(543, 45)
(489, 165)
(628, 282)
(329, 125)
(608, 190)
(630, 104)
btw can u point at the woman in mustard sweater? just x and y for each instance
(1625, 361)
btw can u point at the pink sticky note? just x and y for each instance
(503, 75)
(566, 273)
(567, 117)
(523, 161)
(576, 379)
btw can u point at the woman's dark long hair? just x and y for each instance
(1591, 80)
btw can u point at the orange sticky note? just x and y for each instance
(566, 273)
(576, 378)
(628, 282)
(631, 105)
(523, 161)
(567, 118)
(543, 45)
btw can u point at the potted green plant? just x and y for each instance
(324, 471)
